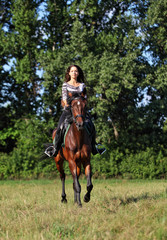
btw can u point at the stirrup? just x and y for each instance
(100, 150)
(50, 151)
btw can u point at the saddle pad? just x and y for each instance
(85, 126)
(63, 144)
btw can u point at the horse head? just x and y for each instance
(78, 108)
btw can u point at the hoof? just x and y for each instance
(64, 200)
(79, 205)
(87, 198)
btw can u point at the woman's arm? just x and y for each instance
(64, 103)
(64, 96)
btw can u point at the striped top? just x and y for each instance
(66, 88)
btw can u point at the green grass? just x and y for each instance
(119, 209)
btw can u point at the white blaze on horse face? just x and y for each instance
(78, 103)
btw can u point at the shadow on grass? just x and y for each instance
(144, 196)
(112, 204)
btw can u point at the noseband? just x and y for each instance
(79, 115)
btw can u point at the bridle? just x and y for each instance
(78, 115)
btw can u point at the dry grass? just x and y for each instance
(118, 210)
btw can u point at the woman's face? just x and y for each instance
(74, 73)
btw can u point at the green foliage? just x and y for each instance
(146, 164)
(24, 41)
(23, 163)
(24, 160)
(142, 165)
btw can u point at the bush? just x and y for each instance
(145, 164)
(24, 161)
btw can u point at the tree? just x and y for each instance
(25, 40)
(6, 142)
(154, 28)
(55, 25)
(19, 84)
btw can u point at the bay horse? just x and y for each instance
(77, 151)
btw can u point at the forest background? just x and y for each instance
(122, 47)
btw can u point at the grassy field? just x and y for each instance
(119, 209)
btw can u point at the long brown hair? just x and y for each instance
(80, 77)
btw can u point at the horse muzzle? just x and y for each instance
(79, 124)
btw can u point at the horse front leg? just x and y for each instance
(75, 170)
(89, 182)
(77, 191)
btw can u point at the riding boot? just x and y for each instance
(52, 150)
(96, 150)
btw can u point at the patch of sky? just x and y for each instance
(42, 10)
(7, 67)
(145, 97)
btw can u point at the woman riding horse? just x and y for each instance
(73, 86)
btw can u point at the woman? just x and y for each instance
(74, 84)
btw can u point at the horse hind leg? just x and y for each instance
(59, 165)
